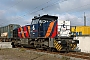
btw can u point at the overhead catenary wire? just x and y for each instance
(52, 5)
(27, 12)
(22, 1)
(55, 4)
(38, 7)
(60, 2)
(43, 7)
(46, 6)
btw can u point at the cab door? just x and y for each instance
(34, 31)
(34, 28)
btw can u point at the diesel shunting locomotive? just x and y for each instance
(44, 32)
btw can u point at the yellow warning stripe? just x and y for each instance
(73, 46)
(57, 45)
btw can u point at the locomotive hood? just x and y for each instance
(63, 28)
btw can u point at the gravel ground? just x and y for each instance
(22, 54)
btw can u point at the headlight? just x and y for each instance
(73, 41)
(59, 41)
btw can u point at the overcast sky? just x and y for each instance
(22, 11)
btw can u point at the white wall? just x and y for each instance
(5, 45)
(84, 43)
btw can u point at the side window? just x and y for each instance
(35, 21)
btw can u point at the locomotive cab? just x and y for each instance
(39, 25)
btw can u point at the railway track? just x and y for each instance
(80, 55)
